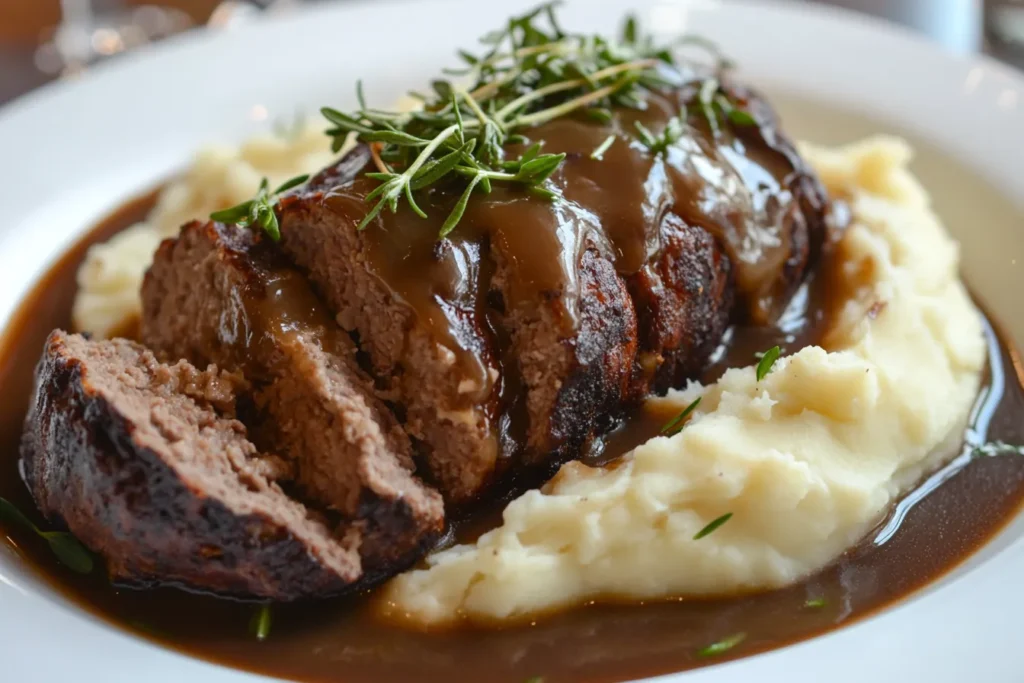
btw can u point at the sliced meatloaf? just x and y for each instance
(444, 372)
(684, 300)
(143, 462)
(216, 294)
(523, 334)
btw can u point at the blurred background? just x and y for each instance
(45, 39)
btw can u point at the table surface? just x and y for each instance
(23, 23)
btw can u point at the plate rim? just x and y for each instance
(772, 665)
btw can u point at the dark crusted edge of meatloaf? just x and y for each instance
(122, 488)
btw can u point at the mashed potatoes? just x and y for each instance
(807, 460)
(219, 176)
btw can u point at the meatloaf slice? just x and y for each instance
(216, 294)
(136, 459)
(684, 298)
(449, 408)
(575, 354)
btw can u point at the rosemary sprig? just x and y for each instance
(531, 72)
(71, 553)
(259, 210)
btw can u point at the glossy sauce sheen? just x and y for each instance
(735, 184)
(930, 532)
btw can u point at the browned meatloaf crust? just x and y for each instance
(523, 334)
(216, 294)
(143, 463)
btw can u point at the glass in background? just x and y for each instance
(1004, 30)
(91, 30)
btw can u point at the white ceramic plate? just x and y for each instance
(71, 152)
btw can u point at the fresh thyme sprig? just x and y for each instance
(259, 210)
(531, 72)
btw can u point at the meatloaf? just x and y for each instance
(218, 294)
(516, 339)
(145, 464)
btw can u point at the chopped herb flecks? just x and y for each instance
(722, 646)
(764, 366)
(675, 425)
(712, 526)
(259, 625)
(994, 448)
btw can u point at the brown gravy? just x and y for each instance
(739, 183)
(929, 533)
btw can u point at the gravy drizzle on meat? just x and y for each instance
(526, 331)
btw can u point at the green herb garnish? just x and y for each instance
(63, 545)
(531, 72)
(673, 426)
(815, 603)
(722, 646)
(598, 153)
(716, 106)
(259, 210)
(764, 366)
(994, 448)
(659, 144)
(712, 526)
(259, 625)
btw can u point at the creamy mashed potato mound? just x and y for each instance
(808, 460)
